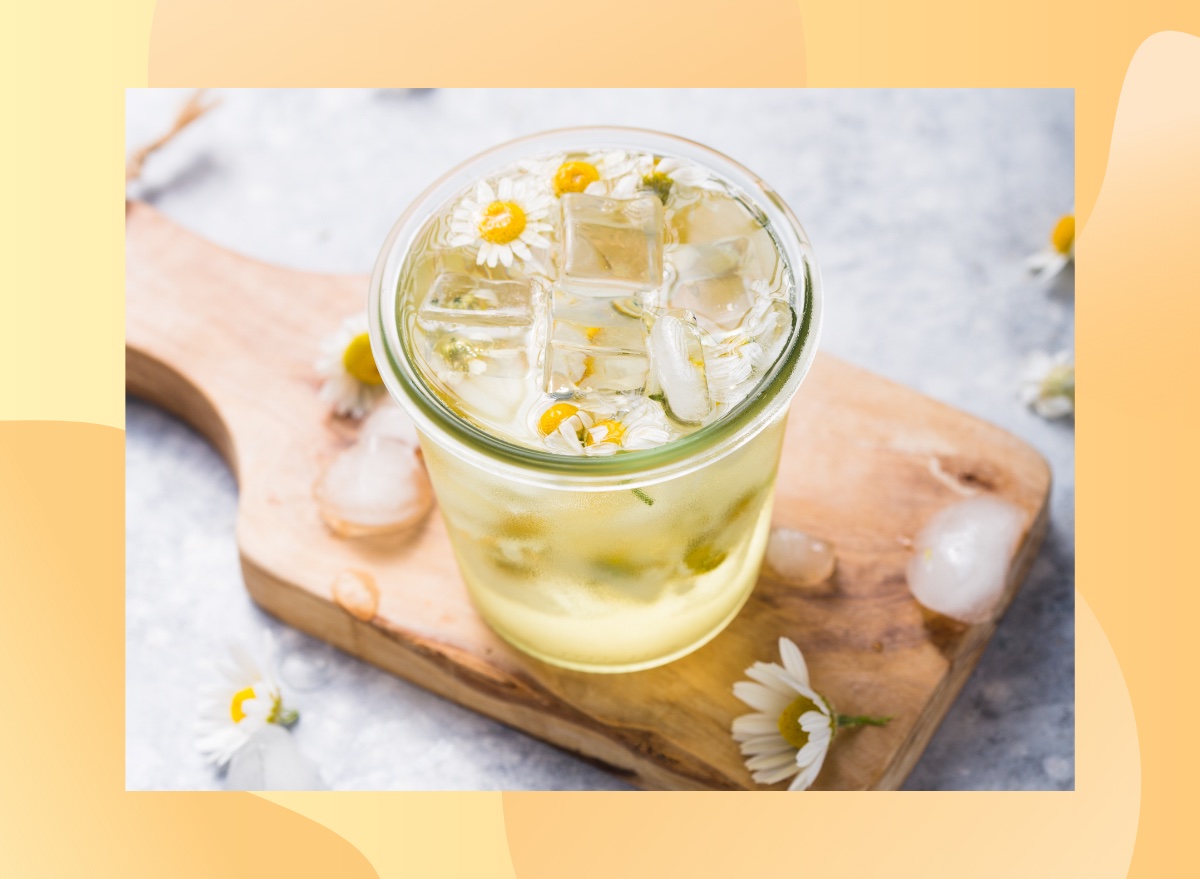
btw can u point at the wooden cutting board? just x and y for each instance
(228, 344)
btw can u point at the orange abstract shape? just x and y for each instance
(65, 811)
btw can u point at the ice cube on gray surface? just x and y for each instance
(610, 242)
(677, 368)
(714, 280)
(460, 298)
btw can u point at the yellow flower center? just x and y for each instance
(615, 429)
(789, 721)
(359, 361)
(553, 417)
(658, 183)
(574, 177)
(1063, 236)
(457, 353)
(502, 223)
(238, 713)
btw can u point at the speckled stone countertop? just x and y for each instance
(921, 205)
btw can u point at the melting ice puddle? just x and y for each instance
(378, 485)
(800, 558)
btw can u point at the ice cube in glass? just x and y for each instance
(596, 344)
(677, 369)
(460, 298)
(610, 242)
(713, 280)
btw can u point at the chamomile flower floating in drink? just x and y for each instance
(352, 382)
(504, 222)
(792, 727)
(605, 428)
(248, 699)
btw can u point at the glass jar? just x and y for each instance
(604, 564)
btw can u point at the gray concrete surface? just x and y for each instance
(921, 206)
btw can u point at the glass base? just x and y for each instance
(640, 665)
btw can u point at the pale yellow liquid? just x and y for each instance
(602, 581)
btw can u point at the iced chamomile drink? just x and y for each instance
(597, 333)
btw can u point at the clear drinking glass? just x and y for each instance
(604, 564)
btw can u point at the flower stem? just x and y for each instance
(288, 717)
(845, 720)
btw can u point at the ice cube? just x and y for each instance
(712, 219)
(460, 298)
(595, 344)
(677, 367)
(611, 242)
(465, 350)
(475, 326)
(713, 280)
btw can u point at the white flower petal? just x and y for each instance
(773, 776)
(767, 762)
(755, 725)
(758, 696)
(772, 744)
(793, 660)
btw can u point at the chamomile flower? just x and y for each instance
(792, 727)
(1059, 253)
(1048, 384)
(352, 382)
(619, 173)
(248, 699)
(504, 222)
(737, 361)
(679, 177)
(564, 427)
(602, 427)
(640, 425)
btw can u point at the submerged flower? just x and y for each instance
(248, 699)
(504, 222)
(352, 381)
(1048, 384)
(793, 726)
(1060, 251)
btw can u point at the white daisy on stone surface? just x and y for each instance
(351, 381)
(504, 222)
(1048, 384)
(792, 727)
(246, 700)
(1060, 252)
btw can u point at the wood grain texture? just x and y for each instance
(228, 344)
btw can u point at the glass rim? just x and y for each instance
(740, 424)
